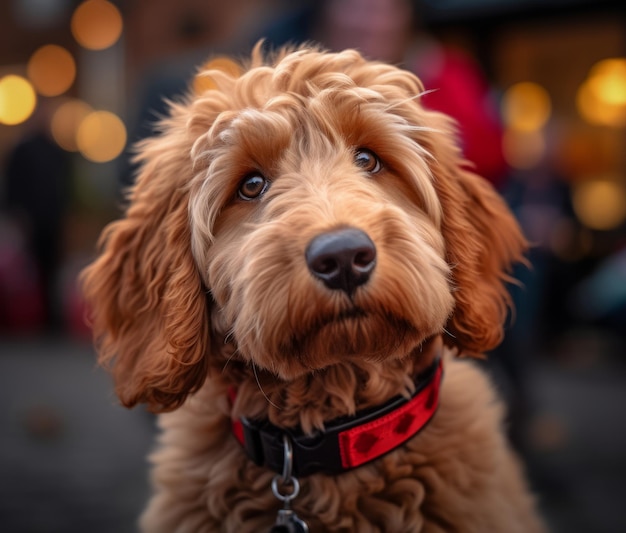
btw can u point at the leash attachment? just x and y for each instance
(287, 521)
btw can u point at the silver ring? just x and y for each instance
(285, 497)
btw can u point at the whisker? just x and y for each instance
(258, 382)
(228, 361)
(227, 338)
(414, 97)
(448, 333)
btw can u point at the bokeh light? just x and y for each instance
(610, 76)
(17, 99)
(526, 106)
(601, 99)
(52, 70)
(65, 123)
(600, 204)
(101, 136)
(523, 149)
(96, 24)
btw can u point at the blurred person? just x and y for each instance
(540, 199)
(392, 31)
(37, 192)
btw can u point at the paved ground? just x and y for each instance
(72, 461)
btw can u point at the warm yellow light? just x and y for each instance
(101, 136)
(601, 99)
(523, 149)
(596, 110)
(609, 80)
(600, 204)
(96, 24)
(526, 106)
(66, 121)
(52, 70)
(17, 99)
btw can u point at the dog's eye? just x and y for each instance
(367, 160)
(253, 186)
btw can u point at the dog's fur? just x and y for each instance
(197, 290)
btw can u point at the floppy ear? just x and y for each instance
(483, 242)
(145, 296)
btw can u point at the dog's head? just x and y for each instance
(291, 215)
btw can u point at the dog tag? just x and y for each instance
(288, 522)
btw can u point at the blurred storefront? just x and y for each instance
(559, 69)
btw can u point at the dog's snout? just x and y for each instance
(343, 259)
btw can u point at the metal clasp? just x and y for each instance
(286, 478)
(287, 520)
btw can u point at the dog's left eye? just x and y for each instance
(367, 160)
(253, 186)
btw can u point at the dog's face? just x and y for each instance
(316, 226)
(293, 216)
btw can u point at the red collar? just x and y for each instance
(347, 442)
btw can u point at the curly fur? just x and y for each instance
(196, 290)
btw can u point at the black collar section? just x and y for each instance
(349, 441)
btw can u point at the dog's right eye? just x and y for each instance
(367, 160)
(253, 186)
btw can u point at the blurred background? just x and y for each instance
(539, 91)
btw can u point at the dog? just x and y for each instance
(304, 272)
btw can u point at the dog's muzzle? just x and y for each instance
(343, 259)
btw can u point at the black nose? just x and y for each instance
(342, 259)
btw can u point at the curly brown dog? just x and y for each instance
(304, 257)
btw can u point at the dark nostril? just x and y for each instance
(324, 265)
(365, 258)
(342, 259)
